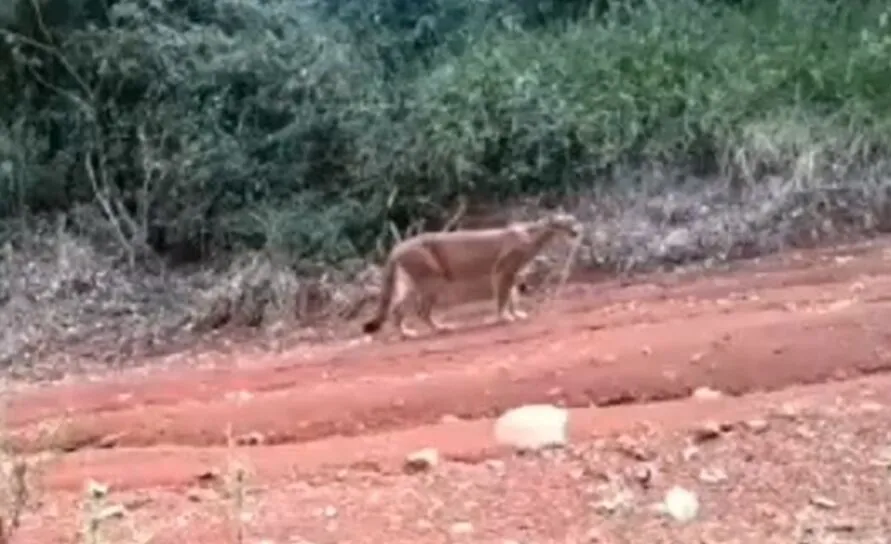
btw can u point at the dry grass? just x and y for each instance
(103, 520)
(98, 514)
(65, 304)
(20, 483)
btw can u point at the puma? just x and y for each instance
(429, 262)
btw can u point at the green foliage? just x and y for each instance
(197, 125)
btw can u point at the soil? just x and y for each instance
(798, 340)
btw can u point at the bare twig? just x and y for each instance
(110, 210)
(458, 215)
(565, 271)
(55, 53)
(235, 484)
(143, 203)
(567, 266)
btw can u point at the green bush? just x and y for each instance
(198, 125)
(678, 84)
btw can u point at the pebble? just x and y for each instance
(712, 475)
(709, 430)
(757, 426)
(823, 502)
(644, 475)
(461, 528)
(421, 460)
(706, 393)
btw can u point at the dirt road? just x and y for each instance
(760, 331)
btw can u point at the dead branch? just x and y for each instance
(111, 210)
(458, 215)
(565, 271)
(143, 204)
(567, 266)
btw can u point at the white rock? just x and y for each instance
(871, 407)
(712, 475)
(706, 393)
(461, 528)
(823, 502)
(681, 504)
(532, 427)
(757, 425)
(330, 512)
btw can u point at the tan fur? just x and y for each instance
(428, 263)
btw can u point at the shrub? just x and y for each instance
(315, 133)
(310, 127)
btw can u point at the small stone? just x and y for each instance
(788, 410)
(330, 512)
(690, 453)
(709, 430)
(110, 440)
(199, 494)
(712, 476)
(757, 426)
(871, 407)
(842, 526)
(644, 475)
(706, 393)
(250, 439)
(461, 528)
(823, 502)
(239, 397)
(421, 460)
(805, 432)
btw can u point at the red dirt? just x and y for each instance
(799, 318)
